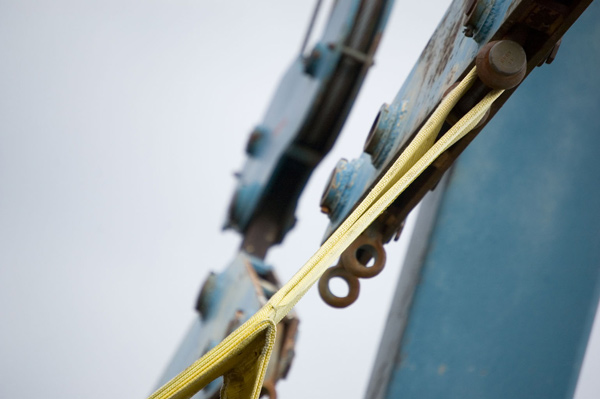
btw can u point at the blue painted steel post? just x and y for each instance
(506, 285)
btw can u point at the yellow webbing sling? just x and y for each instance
(242, 357)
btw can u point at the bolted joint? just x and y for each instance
(333, 191)
(501, 64)
(341, 181)
(313, 63)
(242, 205)
(257, 141)
(205, 301)
(380, 139)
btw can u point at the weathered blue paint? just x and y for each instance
(510, 283)
(488, 13)
(345, 176)
(447, 56)
(229, 299)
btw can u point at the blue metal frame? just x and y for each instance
(449, 54)
(300, 125)
(506, 288)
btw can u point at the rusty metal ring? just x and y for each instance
(356, 257)
(334, 300)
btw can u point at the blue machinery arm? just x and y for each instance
(459, 332)
(500, 286)
(302, 122)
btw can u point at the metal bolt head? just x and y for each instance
(378, 141)
(311, 62)
(501, 64)
(375, 133)
(257, 141)
(253, 140)
(506, 57)
(330, 197)
(327, 198)
(206, 296)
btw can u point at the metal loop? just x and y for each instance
(329, 297)
(357, 256)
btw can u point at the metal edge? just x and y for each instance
(403, 296)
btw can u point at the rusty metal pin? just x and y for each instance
(326, 202)
(501, 64)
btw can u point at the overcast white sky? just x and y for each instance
(121, 123)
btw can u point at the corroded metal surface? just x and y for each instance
(511, 39)
(500, 286)
(535, 25)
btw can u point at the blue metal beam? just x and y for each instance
(507, 285)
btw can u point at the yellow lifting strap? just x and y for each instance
(242, 357)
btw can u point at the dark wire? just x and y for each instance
(310, 26)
